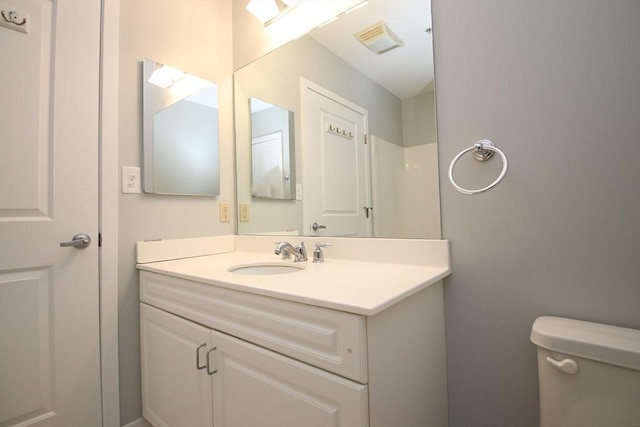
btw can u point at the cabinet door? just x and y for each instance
(257, 387)
(175, 393)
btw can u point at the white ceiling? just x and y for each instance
(406, 70)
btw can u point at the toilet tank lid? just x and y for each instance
(605, 343)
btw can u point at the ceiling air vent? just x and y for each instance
(378, 37)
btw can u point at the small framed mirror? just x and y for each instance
(180, 132)
(272, 171)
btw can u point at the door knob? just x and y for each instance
(79, 241)
(316, 226)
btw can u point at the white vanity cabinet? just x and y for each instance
(213, 356)
(237, 384)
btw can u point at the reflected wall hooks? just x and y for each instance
(340, 132)
(13, 20)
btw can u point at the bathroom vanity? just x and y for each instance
(355, 341)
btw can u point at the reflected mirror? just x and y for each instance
(271, 151)
(362, 95)
(180, 132)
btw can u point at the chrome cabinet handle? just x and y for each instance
(198, 357)
(316, 226)
(79, 241)
(209, 371)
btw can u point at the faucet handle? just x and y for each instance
(302, 252)
(318, 255)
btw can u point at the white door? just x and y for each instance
(267, 166)
(176, 382)
(257, 387)
(49, 324)
(335, 164)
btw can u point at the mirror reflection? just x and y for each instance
(362, 93)
(180, 132)
(271, 150)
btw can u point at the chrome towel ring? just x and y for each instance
(482, 151)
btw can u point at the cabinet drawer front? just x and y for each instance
(329, 339)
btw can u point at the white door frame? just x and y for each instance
(108, 214)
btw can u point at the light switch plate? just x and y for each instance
(131, 179)
(298, 191)
(244, 212)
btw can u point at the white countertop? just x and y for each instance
(354, 286)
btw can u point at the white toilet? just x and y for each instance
(589, 373)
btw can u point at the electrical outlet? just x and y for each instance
(244, 212)
(225, 212)
(131, 179)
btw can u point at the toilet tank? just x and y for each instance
(589, 373)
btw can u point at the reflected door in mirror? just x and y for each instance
(336, 178)
(271, 151)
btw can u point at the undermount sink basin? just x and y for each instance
(266, 268)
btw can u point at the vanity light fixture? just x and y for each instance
(297, 17)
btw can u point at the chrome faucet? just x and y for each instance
(287, 249)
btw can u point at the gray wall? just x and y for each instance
(556, 85)
(419, 119)
(193, 35)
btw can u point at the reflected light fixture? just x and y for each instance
(165, 76)
(264, 10)
(181, 84)
(298, 17)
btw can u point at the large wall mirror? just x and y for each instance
(361, 95)
(180, 132)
